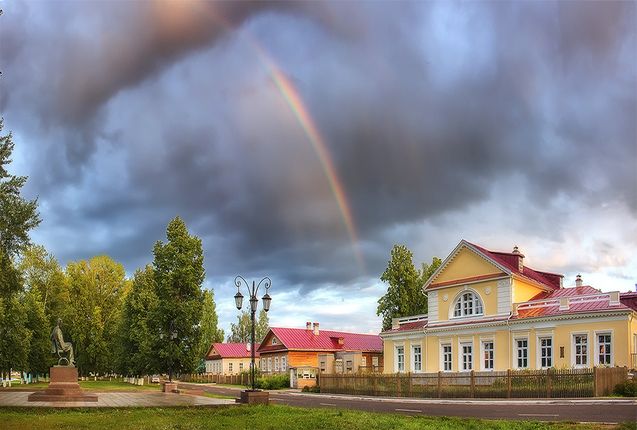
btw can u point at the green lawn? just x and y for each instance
(257, 417)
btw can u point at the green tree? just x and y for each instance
(242, 330)
(179, 274)
(17, 215)
(210, 332)
(404, 296)
(97, 287)
(42, 273)
(136, 330)
(15, 337)
(39, 359)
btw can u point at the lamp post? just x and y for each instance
(254, 301)
(172, 335)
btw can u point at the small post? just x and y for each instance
(595, 382)
(473, 383)
(508, 383)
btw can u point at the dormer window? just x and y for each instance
(467, 304)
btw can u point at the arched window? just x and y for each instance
(467, 304)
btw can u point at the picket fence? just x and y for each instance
(551, 383)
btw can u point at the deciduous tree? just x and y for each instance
(242, 330)
(404, 296)
(210, 332)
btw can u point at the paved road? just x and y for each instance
(580, 410)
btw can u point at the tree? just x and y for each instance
(404, 296)
(15, 338)
(210, 332)
(179, 274)
(97, 287)
(42, 273)
(136, 330)
(39, 359)
(242, 330)
(17, 215)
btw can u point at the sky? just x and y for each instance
(302, 140)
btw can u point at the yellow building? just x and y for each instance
(488, 311)
(230, 358)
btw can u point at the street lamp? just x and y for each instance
(254, 302)
(172, 335)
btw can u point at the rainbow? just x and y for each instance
(299, 110)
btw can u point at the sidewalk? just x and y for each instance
(116, 400)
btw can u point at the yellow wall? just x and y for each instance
(524, 291)
(505, 344)
(466, 264)
(487, 291)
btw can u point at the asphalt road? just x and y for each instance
(580, 410)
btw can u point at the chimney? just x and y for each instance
(514, 310)
(564, 303)
(520, 257)
(316, 329)
(308, 325)
(395, 323)
(614, 298)
(248, 346)
(578, 280)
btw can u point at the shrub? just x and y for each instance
(315, 389)
(274, 382)
(627, 388)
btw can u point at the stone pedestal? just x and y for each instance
(255, 397)
(169, 387)
(63, 388)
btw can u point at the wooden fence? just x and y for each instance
(240, 379)
(551, 383)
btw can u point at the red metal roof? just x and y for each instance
(509, 260)
(326, 340)
(580, 300)
(566, 292)
(409, 326)
(232, 350)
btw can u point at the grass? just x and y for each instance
(272, 417)
(92, 386)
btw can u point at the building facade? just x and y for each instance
(306, 352)
(489, 311)
(230, 358)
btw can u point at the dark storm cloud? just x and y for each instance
(138, 111)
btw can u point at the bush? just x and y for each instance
(274, 382)
(627, 388)
(315, 389)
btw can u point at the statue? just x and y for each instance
(58, 346)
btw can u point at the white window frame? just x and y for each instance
(269, 364)
(375, 361)
(476, 303)
(482, 354)
(539, 347)
(276, 364)
(413, 358)
(574, 352)
(284, 363)
(517, 349)
(597, 345)
(443, 356)
(462, 354)
(397, 356)
(240, 366)
(230, 367)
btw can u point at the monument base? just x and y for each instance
(63, 387)
(255, 397)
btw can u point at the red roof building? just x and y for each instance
(311, 350)
(230, 358)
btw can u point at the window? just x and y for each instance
(487, 355)
(446, 358)
(263, 364)
(603, 349)
(364, 361)
(467, 356)
(400, 358)
(417, 358)
(269, 364)
(230, 367)
(240, 367)
(274, 341)
(349, 366)
(276, 364)
(580, 347)
(522, 353)
(375, 361)
(322, 365)
(546, 352)
(467, 304)
(283, 364)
